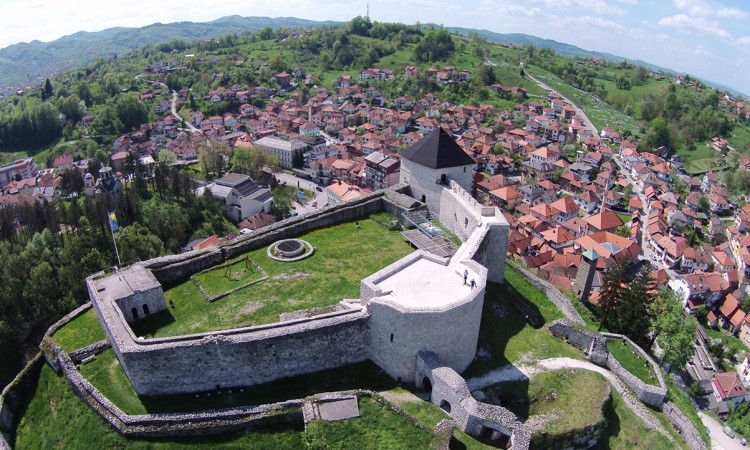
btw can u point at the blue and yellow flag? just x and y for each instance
(113, 222)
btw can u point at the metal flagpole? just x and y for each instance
(113, 226)
(119, 263)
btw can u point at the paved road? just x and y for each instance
(719, 440)
(190, 126)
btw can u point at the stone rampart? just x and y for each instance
(255, 356)
(571, 334)
(172, 269)
(172, 425)
(595, 345)
(89, 351)
(483, 230)
(14, 399)
(684, 426)
(450, 393)
(647, 393)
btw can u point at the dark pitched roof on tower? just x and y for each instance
(437, 150)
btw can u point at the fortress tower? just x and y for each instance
(585, 275)
(429, 165)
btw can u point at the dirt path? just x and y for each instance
(523, 372)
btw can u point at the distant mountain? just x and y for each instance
(572, 51)
(30, 63)
(561, 48)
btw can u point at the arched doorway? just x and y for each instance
(424, 199)
(427, 385)
(445, 406)
(134, 312)
(145, 309)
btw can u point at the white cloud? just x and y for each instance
(702, 51)
(731, 13)
(693, 7)
(744, 40)
(686, 24)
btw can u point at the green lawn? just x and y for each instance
(581, 394)
(344, 255)
(378, 428)
(215, 281)
(82, 331)
(599, 112)
(733, 343)
(625, 431)
(632, 362)
(505, 333)
(57, 419)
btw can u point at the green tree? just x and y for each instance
(624, 300)
(623, 231)
(131, 111)
(47, 91)
(673, 329)
(281, 205)
(167, 157)
(135, 242)
(704, 204)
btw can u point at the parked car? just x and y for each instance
(318, 188)
(729, 432)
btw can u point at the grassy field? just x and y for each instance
(55, 405)
(378, 428)
(344, 255)
(56, 418)
(599, 112)
(632, 362)
(505, 333)
(84, 330)
(580, 393)
(740, 139)
(734, 344)
(625, 431)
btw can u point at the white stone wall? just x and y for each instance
(398, 332)
(425, 181)
(152, 298)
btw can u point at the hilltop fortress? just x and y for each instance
(418, 319)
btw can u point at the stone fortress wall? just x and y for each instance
(388, 334)
(450, 392)
(595, 345)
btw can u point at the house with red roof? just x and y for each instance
(604, 221)
(728, 388)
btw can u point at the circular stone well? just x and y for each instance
(289, 250)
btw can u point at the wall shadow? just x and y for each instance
(147, 326)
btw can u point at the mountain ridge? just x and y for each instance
(29, 63)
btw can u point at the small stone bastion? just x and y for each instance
(290, 250)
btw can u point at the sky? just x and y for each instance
(706, 38)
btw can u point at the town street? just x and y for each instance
(321, 197)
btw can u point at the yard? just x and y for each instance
(505, 334)
(632, 362)
(80, 332)
(344, 255)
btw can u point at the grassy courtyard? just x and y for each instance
(505, 333)
(82, 331)
(344, 255)
(632, 362)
